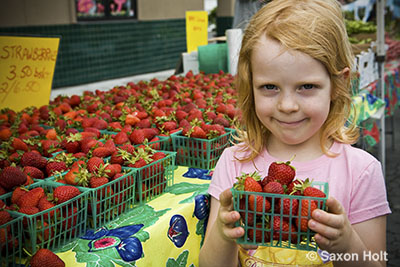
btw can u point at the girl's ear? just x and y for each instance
(345, 73)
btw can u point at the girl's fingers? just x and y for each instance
(334, 206)
(225, 198)
(233, 233)
(324, 230)
(230, 217)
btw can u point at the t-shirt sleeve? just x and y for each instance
(369, 199)
(223, 175)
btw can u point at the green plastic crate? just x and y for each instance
(258, 225)
(199, 153)
(52, 228)
(11, 249)
(152, 179)
(108, 201)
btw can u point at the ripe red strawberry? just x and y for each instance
(257, 236)
(87, 144)
(198, 132)
(101, 152)
(17, 193)
(33, 172)
(11, 177)
(287, 208)
(137, 137)
(34, 159)
(150, 133)
(169, 126)
(305, 211)
(31, 198)
(65, 192)
(45, 204)
(28, 210)
(45, 257)
(55, 166)
(282, 229)
(313, 192)
(158, 155)
(5, 217)
(97, 181)
(248, 182)
(18, 144)
(121, 138)
(94, 164)
(282, 172)
(5, 134)
(259, 203)
(273, 188)
(139, 163)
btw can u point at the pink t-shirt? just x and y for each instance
(355, 177)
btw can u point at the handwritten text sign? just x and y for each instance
(196, 29)
(26, 71)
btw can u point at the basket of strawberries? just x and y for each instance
(275, 210)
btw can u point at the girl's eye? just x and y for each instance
(307, 86)
(269, 87)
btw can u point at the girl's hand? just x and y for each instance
(227, 217)
(333, 228)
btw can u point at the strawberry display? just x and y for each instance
(278, 207)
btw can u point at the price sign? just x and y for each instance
(26, 70)
(196, 29)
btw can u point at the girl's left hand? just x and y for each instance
(333, 228)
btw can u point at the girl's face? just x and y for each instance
(292, 94)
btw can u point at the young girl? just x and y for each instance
(294, 94)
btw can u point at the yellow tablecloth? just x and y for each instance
(163, 232)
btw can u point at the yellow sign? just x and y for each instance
(26, 70)
(196, 29)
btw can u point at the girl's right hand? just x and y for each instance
(227, 217)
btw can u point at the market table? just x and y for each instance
(167, 231)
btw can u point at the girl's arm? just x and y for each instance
(336, 235)
(220, 248)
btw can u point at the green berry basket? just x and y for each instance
(154, 178)
(200, 153)
(278, 222)
(110, 200)
(168, 143)
(54, 227)
(11, 241)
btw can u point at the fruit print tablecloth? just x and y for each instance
(167, 231)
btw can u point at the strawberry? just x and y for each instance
(137, 137)
(45, 204)
(34, 172)
(248, 182)
(169, 126)
(55, 166)
(11, 177)
(33, 159)
(31, 198)
(158, 155)
(273, 188)
(65, 192)
(121, 138)
(5, 217)
(286, 202)
(94, 163)
(101, 152)
(259, 203)
(282, 229)
(45, 257)
(282, 172)
(306, 209)
(5, 134)
(257, 236)
(198, 132)
(18, 144)
(313, 192)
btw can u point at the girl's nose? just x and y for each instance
(287, 102)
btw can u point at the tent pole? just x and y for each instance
(380, 58)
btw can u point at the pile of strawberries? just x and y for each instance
(278, 206)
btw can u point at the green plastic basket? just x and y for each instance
(11, 246)
(152, 179)
(56, 226)
(108, 201)
(199, 153)
(167, 144)
(258, 226)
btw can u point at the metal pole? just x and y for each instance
(380, 58)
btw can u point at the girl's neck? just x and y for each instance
(306, 151)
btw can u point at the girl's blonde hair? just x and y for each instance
(313, 27)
